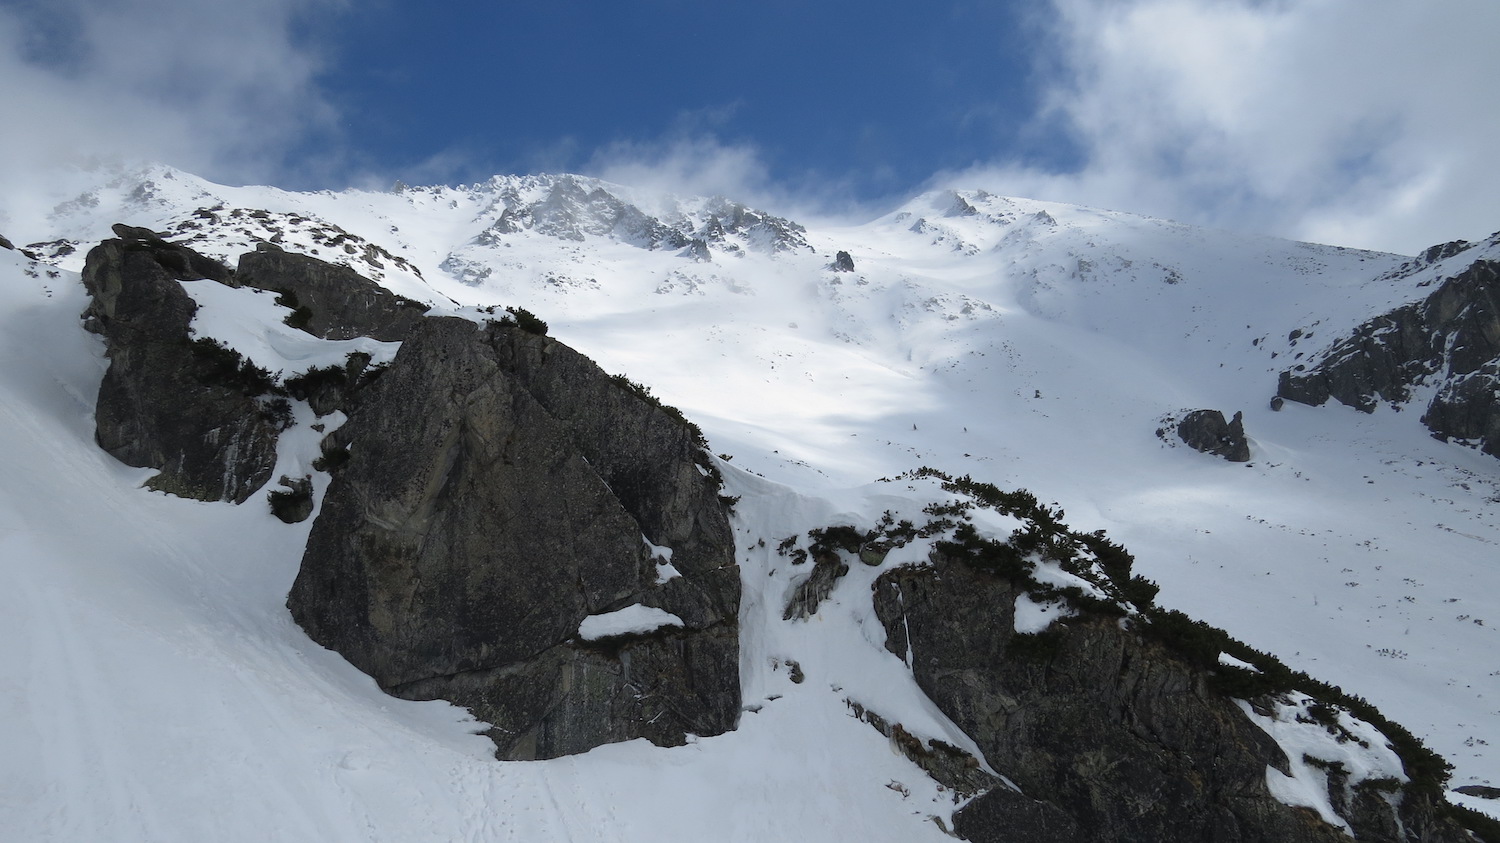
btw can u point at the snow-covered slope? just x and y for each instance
(156, 688)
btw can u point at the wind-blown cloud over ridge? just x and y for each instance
(223, 89)
(1357, 122)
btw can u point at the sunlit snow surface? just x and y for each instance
(153, 687)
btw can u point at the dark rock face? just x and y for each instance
(1206, 431)
(179, 261)
(334, 302)
(497, 492)
(1106, 739)
(493, 489)
(1452, 337)
(843, 262)
(6, 244)
(166, 402)
(1108, 735)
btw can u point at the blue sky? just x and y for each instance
(873, 95)
(1358, 122)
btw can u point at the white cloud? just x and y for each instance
(693, 163)
(1359, 122)
(222, 89)
(687, 164)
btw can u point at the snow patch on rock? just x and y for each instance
(631, 620)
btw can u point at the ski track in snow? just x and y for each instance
(153, 687)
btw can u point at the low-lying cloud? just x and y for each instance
(223, 89)
(1357, 122)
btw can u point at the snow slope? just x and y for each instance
(155, 689)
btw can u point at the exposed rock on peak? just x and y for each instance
(762, 232)
(229, 232)
(572, 208)
(500, 489)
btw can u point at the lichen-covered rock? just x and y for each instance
(331, 301)
(191, 410)
(1109, 735)
(1451, 338)
(499, 489)
(1206, 431)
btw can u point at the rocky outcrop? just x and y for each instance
(1206, 431)
(843, 262)
(1109, 735)
(761, 231)
(191, 409)
(493, 490)
(330, 301)
(497, 489)
(1451, 339)
(179, 261)
(809, 594)
(1467, 408)
(573, 208)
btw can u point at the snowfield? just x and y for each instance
(153, 686)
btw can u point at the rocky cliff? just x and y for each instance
(1449, 341)
(191, 409)
(499, 490)
(1112, 719)
(502, 512)
(1109, 735)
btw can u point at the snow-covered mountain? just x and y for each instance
(158, 689)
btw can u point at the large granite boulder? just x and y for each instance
(191, 409)
(500, 489)
(1207, 432)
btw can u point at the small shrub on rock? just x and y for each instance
(220, 365)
